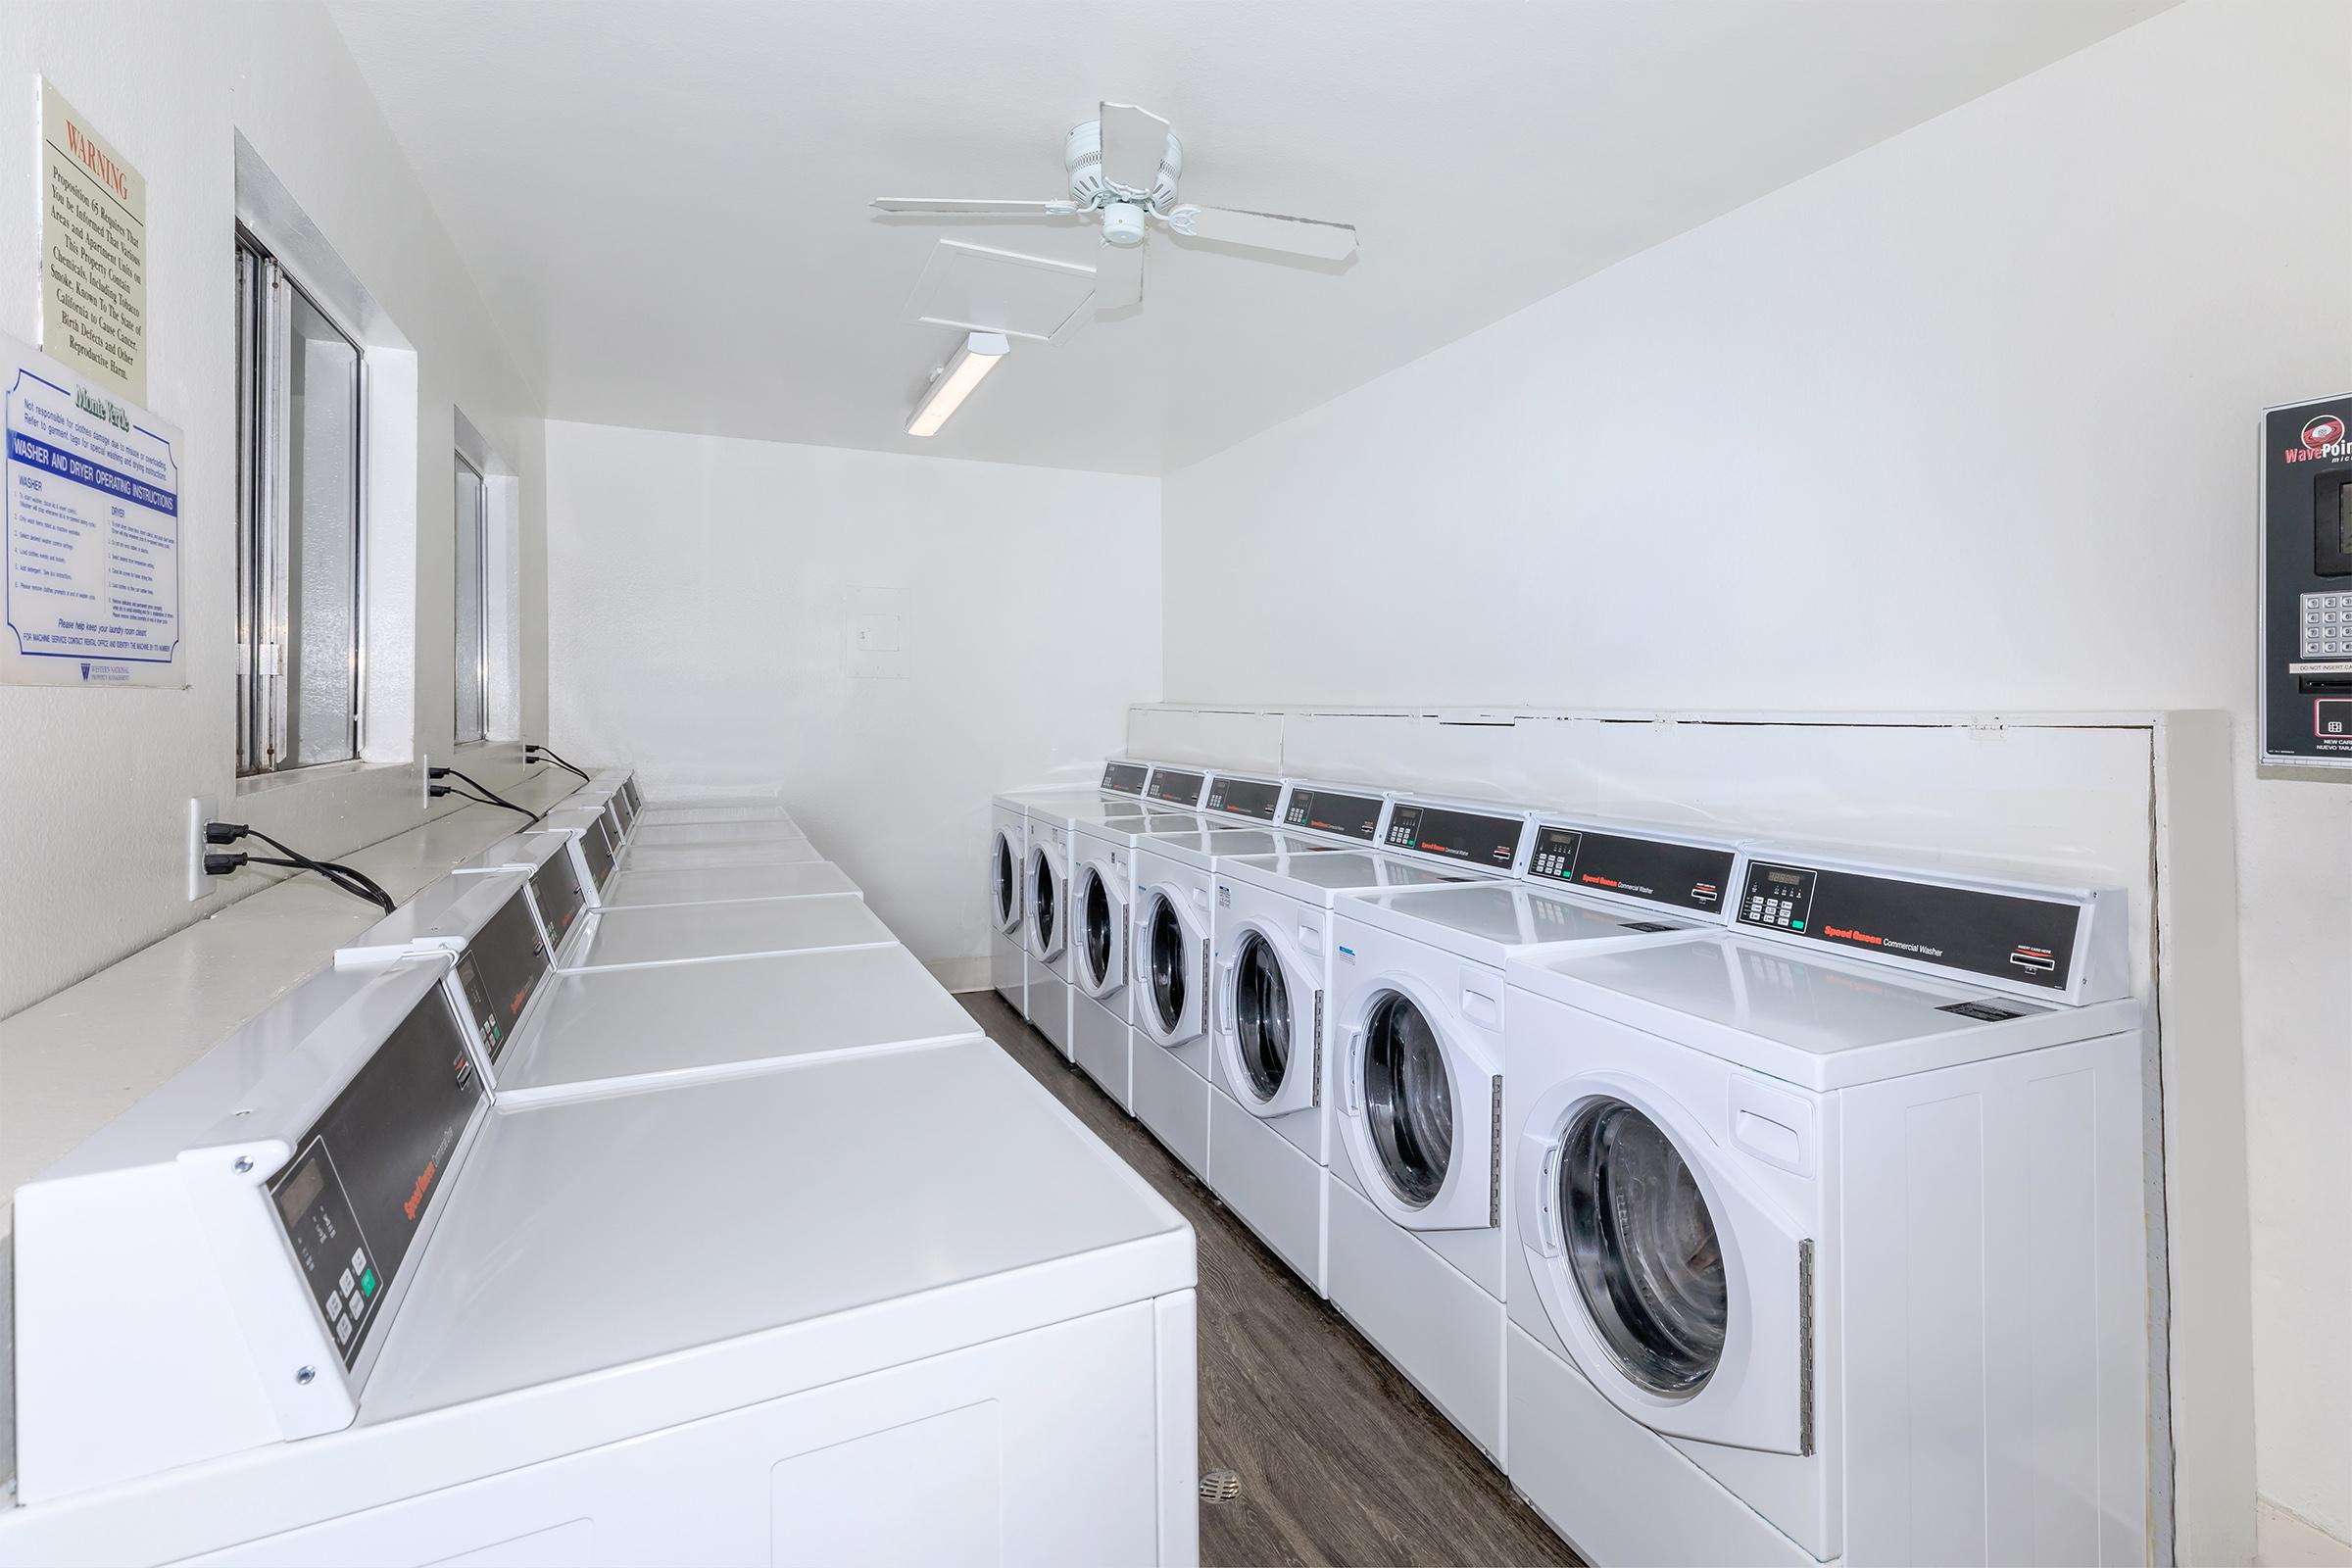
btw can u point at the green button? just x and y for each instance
(367, 1283)
(1797, 924)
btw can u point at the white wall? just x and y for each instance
(96, 782)
(1965, 421)
(701, 591)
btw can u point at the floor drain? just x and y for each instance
(1220, 1486)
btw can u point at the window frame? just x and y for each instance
(266, 291)
(481, 607)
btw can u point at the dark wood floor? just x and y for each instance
(1341, 1460)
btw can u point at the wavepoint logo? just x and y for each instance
(2322, 438)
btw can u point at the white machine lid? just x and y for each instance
(1203, 842)
(728, 884)
(640, 856)
(689, 933)
(1487, 922)
(600, 1028)
(692, 815)
(1818, 1021)
(865, 1211)
(1314, 877)
(1072, 812)
(673, 833)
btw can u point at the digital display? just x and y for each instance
(1686, 876)
(555, 889)
(598, 848)
(1177, 788)
(1471, 836)
(1784, 879)
(1126, 778)
(1252, 798)
(1351, 816)
(369, 1170)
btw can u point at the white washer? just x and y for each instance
(1102, 899)
(319, 1300)
(1120, 789)
(1824, 1253)
(546, 1035)
(1419, 1212)
(1173, 944)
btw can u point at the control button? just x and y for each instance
(359, 1260)
(343, 1285)
(367, 1283)
(342, 1329)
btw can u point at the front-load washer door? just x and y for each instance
(1004, 881)
(1098, 917)
(1049, 921)
(1420, 1097)
(1683, 1296)
(1269, 1024)
(1171, 965)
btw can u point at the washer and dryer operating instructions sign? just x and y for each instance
(93, 533)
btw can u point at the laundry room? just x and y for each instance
(1073, 782)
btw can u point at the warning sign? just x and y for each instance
(93, 253)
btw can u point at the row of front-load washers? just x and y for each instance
(1744, 1204)
(629, 1195)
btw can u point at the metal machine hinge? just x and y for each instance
(1495, 1158)
(1804, 1345)
(1318, 1089)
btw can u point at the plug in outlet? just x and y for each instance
(200, 811)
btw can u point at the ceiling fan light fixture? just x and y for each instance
(975, 358)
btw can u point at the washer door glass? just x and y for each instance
(1093, 919)
(1643, 1250)
(1261, 1015)
(1408, 1101)
(1169, 966)
(1006, 900)
(1041, 898)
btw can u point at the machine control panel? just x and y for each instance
(596, 845)
(502, 965)
(556, 890)
(1351, 816)
(1686, 876)
(613, 824)
(1474, 837)
(1176, 787)
(2305, 632)
(1256, 799)
(364, 1174)
(630, 797)
(2010, 937)
(1125, 778)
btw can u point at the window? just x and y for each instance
(472, 660)
(299, 521)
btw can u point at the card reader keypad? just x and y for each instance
(2326, 626)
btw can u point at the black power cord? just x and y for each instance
(532, 751)
(484, 796)
(359, 884)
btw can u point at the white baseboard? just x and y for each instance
(2284, 1539)
(960, 974)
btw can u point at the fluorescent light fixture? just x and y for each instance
(975, 357)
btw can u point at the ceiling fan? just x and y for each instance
(1123, 168)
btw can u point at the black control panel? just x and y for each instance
(1125, 778)
(502, 965)
(612, 822)
(1252, 798)
(1999, 934)
(364, 1174)
(1471, 836)
(1686, 876)
(555, 889)
(2307, 583)
(1353, 816)
(630, 797)
(596, 845)
(1176, 788)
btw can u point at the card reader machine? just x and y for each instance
(2307, 583)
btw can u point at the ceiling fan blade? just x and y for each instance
(1133, 140)
(1119, 276)
(1266, 231)
(932, 204)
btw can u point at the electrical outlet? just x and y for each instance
(201, 809)
(424, 784)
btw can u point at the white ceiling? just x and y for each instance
(666, 203)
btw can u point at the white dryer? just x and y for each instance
(1829, 1235)
(319, 1300)
(1419, 1211)
(1101, 895)
(548, 1035)
(670, 835)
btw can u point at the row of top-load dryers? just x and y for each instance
(1744, 1204)
(630, 1195)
